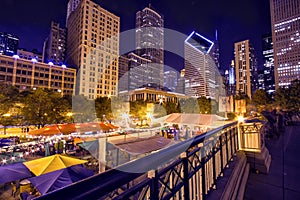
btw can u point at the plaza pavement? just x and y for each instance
(283, 180)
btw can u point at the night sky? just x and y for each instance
(235, 20)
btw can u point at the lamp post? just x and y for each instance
(6, 116)
(70, 115)
(161, 101)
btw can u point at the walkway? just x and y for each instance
(283, 180)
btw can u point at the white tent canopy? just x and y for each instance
(195, 119)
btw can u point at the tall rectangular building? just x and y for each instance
(285, 19)
(230, 80)
(245, 68)
(170, 79)
(72, 5)
(180, 86)
(268, 59)
(137, 74)
(150, 42)
(30, 55)
(55, 45)
(200, 67)
(30, 74)
(93, 47)
(8, 44)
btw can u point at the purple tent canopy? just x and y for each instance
(54, 180)
(5, 142)
(13, 172)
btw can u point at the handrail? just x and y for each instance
(102, 184)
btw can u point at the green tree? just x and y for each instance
(189, 105)
(159, 110)
(171, 107)
(103, 108)
(260, 97)
(11, 92)
(83, 109)
(205, 105)
(294, 95)
(289, 98)
(43, 107)
(5, 118)
(139, 109)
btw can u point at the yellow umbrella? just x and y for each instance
(51, 163)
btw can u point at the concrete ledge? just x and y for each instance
(243, 184)
(259, 161)
(236, 184)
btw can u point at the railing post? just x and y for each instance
(234, 140)
(226, 143)
(118, 155)
(203, 177)
(231, 138)
(221, 154)
(154, 184)
(185, 175)
(214, 167)
(237, 137)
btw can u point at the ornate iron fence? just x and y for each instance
(187, 170)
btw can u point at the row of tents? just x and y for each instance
(74, 128)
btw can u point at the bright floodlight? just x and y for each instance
(16, 56)
(64, 66)
(125, 115)
(34, 60)
(240, 118)
(6, 115)
(50, 63)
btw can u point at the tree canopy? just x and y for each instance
(289, 98)
(43, 107)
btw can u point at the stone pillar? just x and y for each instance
(251, 141)
(102, 154)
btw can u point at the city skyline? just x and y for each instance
(234, 21)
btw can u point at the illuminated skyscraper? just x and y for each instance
(170, 79)
(200, 67)
(72, 5)
(150, 42)
(268, 58)
(8, 44)
(55, 45)
(180, 87)
(261, 80)
(137, 72)
(245, 68)
(285, 19)
(93, 47)
(216, 52)
(230, 79)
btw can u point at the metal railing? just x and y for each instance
(187, 170)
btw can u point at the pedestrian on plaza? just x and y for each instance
(14, 189)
